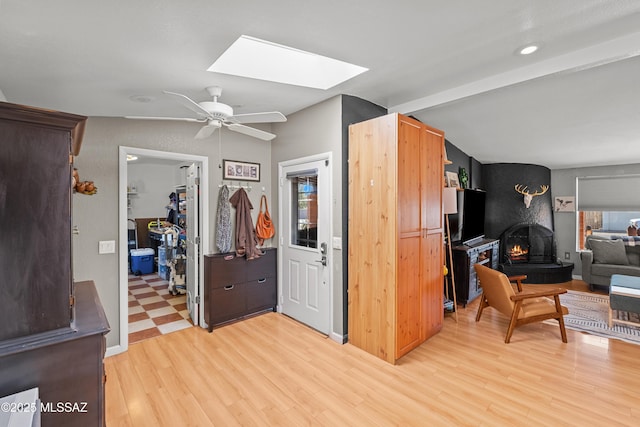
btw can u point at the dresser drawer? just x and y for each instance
(262, 267)
(261, 294)
(227, 270)
(227, 303)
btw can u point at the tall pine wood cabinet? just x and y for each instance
(395, 235)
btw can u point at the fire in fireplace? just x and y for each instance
(518, 253)
(528, 243)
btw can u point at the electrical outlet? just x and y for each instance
(567, 255)
(107, 247)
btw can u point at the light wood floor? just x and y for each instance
(270, 370)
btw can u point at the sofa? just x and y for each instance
(607, 256)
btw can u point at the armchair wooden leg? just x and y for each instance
(514, 320)
(483, 304)
(563, 331)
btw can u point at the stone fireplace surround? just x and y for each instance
(505, 209)
(527, 243)
(530, 249)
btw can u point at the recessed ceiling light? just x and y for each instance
(527, 50)
(264, 60)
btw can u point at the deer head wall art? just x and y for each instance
(522, 189)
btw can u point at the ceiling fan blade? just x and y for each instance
(267, 117)
(256, 133)
(180, 119)
(206, 131)
(189, 103)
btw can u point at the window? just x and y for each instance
(606, 206)
(304, 190)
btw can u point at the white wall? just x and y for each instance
(563, 183)
(97, 216)
(314, 130)
(153, 183)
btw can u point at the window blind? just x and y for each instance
(608, 193)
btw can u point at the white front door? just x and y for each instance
(193, 241)
(305, 208)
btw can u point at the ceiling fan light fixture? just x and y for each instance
(215, 123)
(217, 110)
(217, 114)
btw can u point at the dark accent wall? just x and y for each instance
(474, 169)
(505, 207)
(460, 159)
(354, 110)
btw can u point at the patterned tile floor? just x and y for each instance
(153, 310)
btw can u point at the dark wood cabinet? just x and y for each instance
(36, 296)
(68, 369)
(236, 287)
(484, 252)
(52, 332)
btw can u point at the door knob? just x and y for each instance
(323, 251)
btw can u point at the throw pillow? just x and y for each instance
(609, 252)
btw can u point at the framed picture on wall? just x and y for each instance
(240, 171)
(564, 204)
(451, 179)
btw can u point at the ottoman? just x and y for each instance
(624, 295)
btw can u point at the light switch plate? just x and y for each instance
(107, 247)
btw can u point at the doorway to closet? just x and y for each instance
(150, 302)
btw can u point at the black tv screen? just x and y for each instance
(472, 215)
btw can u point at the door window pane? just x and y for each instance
(304, 190)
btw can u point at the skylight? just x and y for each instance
(264, 60)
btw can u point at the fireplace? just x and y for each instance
(530, 249)
(528, 244)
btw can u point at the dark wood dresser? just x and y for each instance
(236, 287)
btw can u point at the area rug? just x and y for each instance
(590, 313)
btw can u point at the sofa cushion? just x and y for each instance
(609, 252)
(633, 255)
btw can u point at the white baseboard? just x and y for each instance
(116, 349)
(340, 339)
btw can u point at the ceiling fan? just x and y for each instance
(216, 114)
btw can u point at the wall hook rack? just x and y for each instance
(230, 186)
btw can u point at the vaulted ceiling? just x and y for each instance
(451, 63)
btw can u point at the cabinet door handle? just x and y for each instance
(262, 280)
(228, 287)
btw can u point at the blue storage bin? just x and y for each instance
(142, 261)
